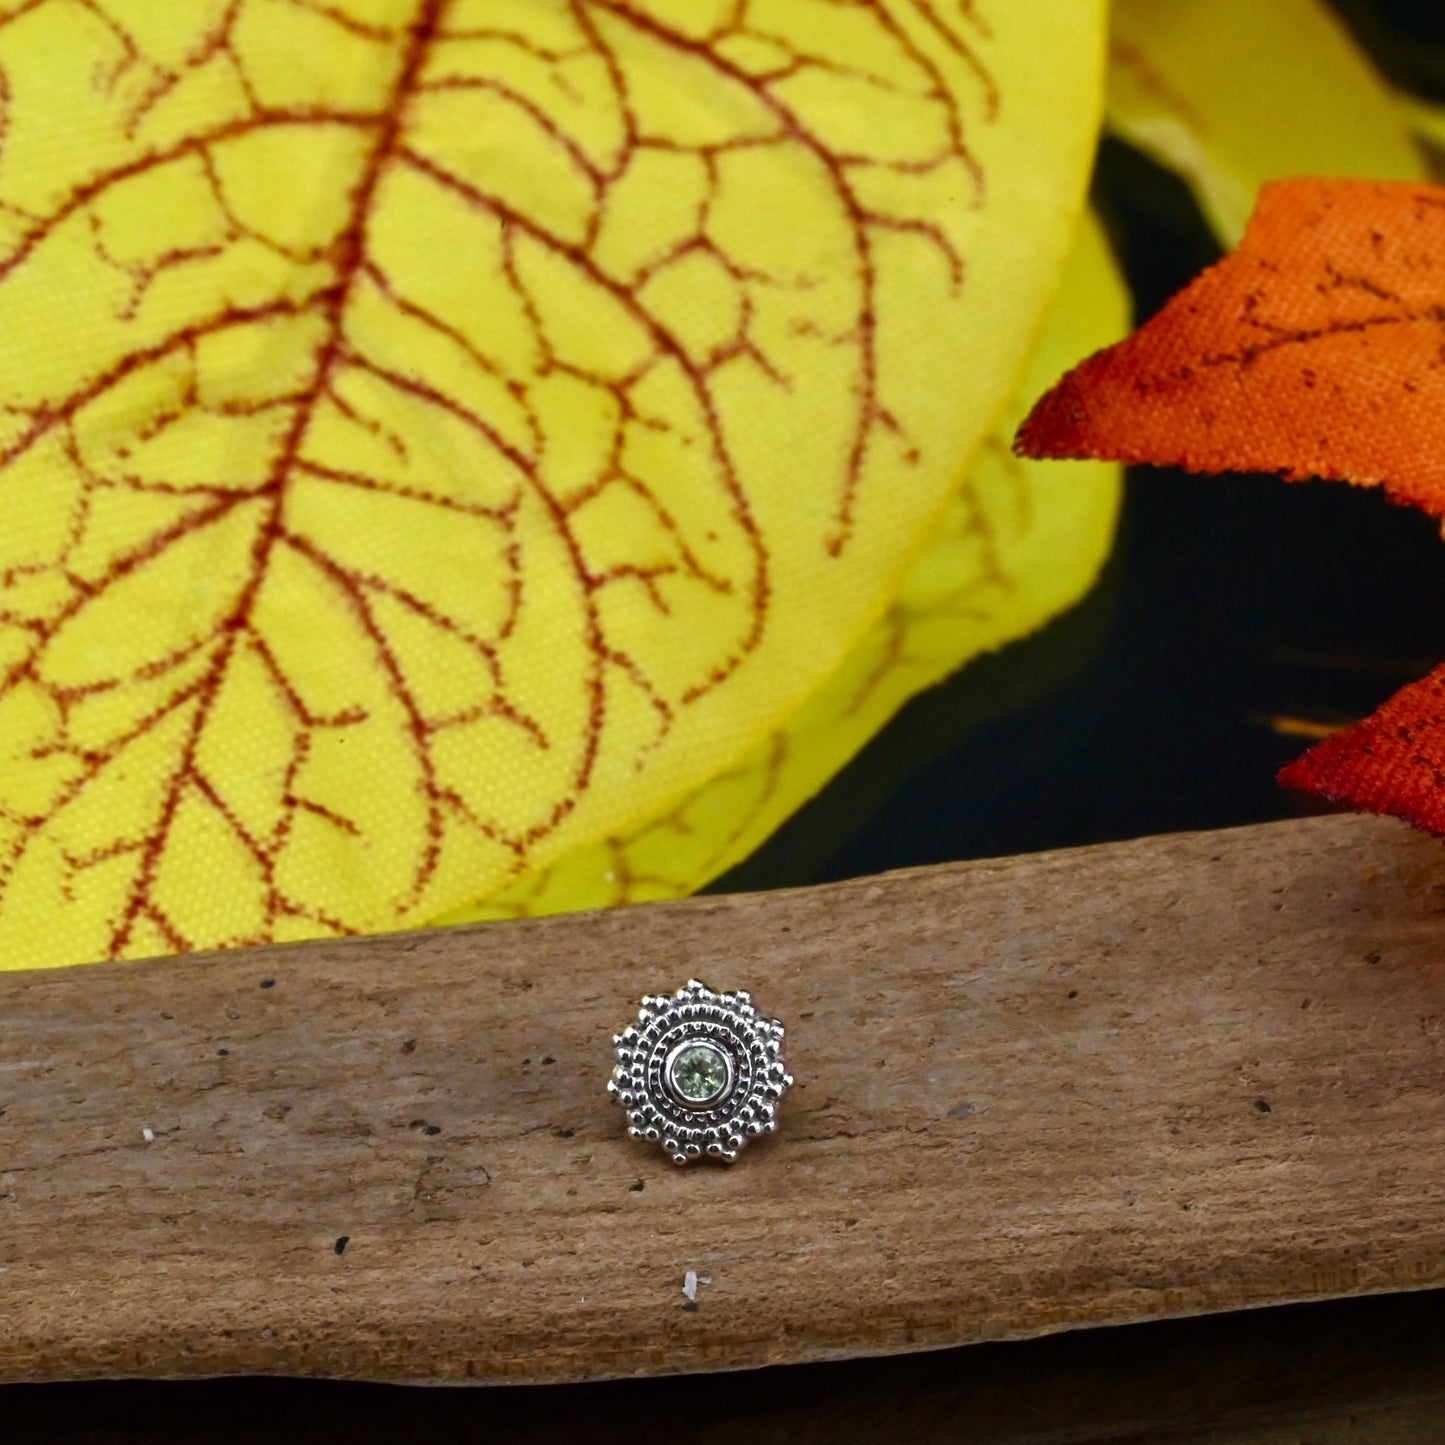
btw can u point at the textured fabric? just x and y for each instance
(1021, 541)
(437, 434)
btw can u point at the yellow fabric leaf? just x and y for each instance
(1021, 541)
(1427, 119)
(1233, 93)
(437, 434)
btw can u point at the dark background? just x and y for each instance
(1158, 704)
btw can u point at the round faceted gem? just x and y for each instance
(698, 1074)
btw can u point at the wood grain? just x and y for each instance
(1185, 1074)
(1365, 1371)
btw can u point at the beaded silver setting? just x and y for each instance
(700, 1073)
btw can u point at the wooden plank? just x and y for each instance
(1180, 1075)
(1358, 1370)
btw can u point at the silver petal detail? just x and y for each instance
(700, 1072)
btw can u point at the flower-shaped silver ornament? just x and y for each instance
(700, 1073)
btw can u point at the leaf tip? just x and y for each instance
(1058, 425)
(1393, 762)
(1300, 775)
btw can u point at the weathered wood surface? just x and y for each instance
(1159, 1078)
(1364, 1371)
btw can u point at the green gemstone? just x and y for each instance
(699, 1073)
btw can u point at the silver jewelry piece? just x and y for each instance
(700, 1073)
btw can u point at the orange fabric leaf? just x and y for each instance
(1315, 349)
(1393, 762)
